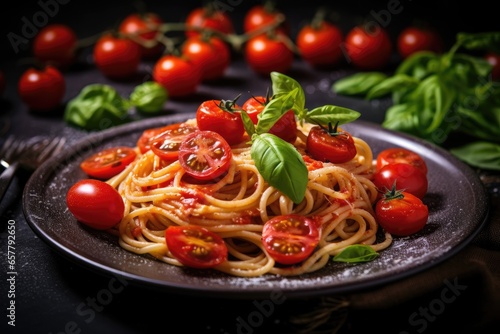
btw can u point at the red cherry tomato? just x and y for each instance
(494, 60)
(320, 44)
(413, 39)
(56, 45)
(401, 214)
(143, 26)
(117, 57)
(42, 90)
(208, 17)
(400, 155)
(95, 203)
(178, 75)
(368, 48)
(212, 55)
(404, 176)
(166, 143)
(330, 145)
(108, 162)
(205, 155)
(290, 239)
(266, 53)
(261, 16)
(223, 117)
(285, 127)
(195, 246)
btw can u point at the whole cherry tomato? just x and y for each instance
(403, 176)
(144, 26)
(414, 38)
(285, 127)
(108, 162)
(261, 16)
(268, 52)
(56, 45)
(210, 53)
(180, 76)
(223, 117)
(368, 48)
(195, 246)
(95, 203)
(494, 60)
(117, 57)
(400, 155)
(290, 239)
(330, 144)
(320, 43)
(401, 213)
(42, 89)
(210, 18)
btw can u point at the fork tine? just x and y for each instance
(52, 148)
(10, 148)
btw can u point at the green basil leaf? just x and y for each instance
(356, 254)
(149, 97)
(331, 114)
(402, 117)
(97, 107)
(467, 68)
(479, 154)
(283, 84)
(281, 165)
(247, 123)
(273, 110)
(419, 65)
(358, 84)
(391, 85)
(485, 41)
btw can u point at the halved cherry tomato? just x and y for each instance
(330, 145)
(108, 162)
(195, 246)
(404, 176)
(223, 117)
(400, 155)
(95, 203)
(285, 127)
(166, 143)
(401, 213)
(205, 155)
(290, 239)
(208, 17)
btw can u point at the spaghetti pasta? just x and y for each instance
(235, 206)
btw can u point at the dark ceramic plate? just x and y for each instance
(456, 198)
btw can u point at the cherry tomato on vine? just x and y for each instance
(330, 144)
(95, 203)
(285, 127)
(195, 246)
(223, 117)
(400, 155)
(56, 45)
(404, 176)
(117, 57)
(401, 213)
(179, 75)
(268, 52)
(145, 26)
(205, 155)
(261, 16)
(368, 48)
(290, 239)
(413, 39)
(108, 162)
(494, 60)
(166, 143)
(208, 17)
(211, 54)
(320, 43)
(42, 89)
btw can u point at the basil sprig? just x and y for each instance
(356, 254)
(435, 95)
(278, 161)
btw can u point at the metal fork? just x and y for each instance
(27, 154)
